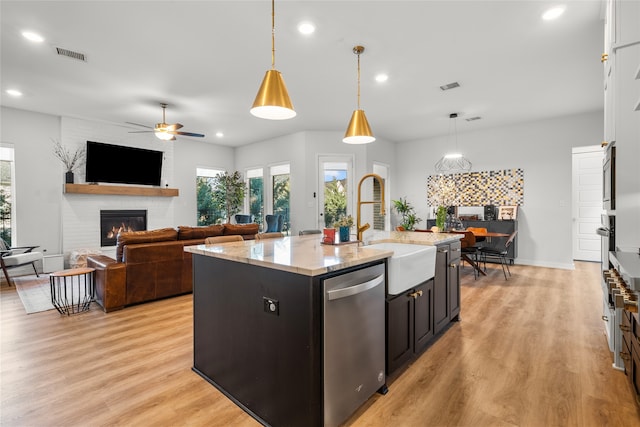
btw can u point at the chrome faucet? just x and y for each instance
(361, 229)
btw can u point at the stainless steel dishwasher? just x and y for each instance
(354, 341)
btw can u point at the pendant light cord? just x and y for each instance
(273, 34)
(358, 81)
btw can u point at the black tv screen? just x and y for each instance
(123, 165)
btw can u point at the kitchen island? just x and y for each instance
(261, 333)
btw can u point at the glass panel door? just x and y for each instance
(335, 195)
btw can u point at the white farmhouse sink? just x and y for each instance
(409, 266)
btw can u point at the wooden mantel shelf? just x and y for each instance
(120, 190)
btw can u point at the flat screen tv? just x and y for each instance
(123, 165)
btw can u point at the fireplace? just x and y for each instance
(114, 221)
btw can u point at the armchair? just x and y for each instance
(274, 223)
(17, 257)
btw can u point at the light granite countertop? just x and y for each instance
(308, 256)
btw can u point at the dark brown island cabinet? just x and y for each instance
(416, 316)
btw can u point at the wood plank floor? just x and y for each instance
(530, 351)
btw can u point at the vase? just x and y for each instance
(344, 234)
(68, 177)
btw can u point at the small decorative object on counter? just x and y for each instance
(344, 224)
(329, 236)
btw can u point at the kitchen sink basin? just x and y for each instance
(409, 265)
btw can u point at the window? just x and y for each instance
(207, 214)
(6, 191)
(255, 182)
(280, 181)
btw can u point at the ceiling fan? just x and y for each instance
(165, 131)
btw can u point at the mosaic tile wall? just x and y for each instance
(499, 188)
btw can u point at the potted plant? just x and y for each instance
(228, 193)
(71, 161)
(407, 212)
(344, 224)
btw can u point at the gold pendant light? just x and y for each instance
(272, 101)
(358, 131)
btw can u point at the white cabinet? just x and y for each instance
(627, 22)
(621, 59)
(627, 137)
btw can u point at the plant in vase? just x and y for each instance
(344, 224)
(71, 161)
(441, 217)
(407, 212)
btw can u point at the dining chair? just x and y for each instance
(478, 230)
(469, 249)
(500, 252)
(223, 239)
(12, 257)
(269, 235)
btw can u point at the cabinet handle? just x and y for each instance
(443, 251)
(624, 356)
(625, 328)
(604, 144)
(604, 57)
(416, 294)
(453, 265)
(605, 318)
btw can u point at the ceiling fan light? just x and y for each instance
(163, 135)
(358, 131)
(272, 101)
(453, 156)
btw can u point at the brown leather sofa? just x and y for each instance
(152, 264)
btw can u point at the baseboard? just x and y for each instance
(538, 263)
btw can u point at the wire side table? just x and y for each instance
(72, 290)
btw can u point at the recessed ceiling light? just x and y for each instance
(306, 28)
(382, 78)
(31, 36)
(219, 134)
(14, 92)
(553, 13)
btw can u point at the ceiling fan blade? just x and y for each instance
(174, 127)
(141, 131)
(138, 124)
(199, 135)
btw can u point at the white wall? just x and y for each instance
(190, 154)
(542, 149)
(61, 223)
(302, 150)
(38, 175)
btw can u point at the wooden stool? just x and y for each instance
(72, 290)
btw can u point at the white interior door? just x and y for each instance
(587, 202)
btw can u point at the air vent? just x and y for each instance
(71, 54)
(470, 119)
(450, 86)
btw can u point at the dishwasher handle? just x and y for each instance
(355, 289)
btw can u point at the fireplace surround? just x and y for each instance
(114, 221)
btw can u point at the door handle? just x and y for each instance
(355, 289)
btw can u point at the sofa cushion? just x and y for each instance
(248, 230)
(149, 236)
(186, 232)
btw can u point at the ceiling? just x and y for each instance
(206, 59)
